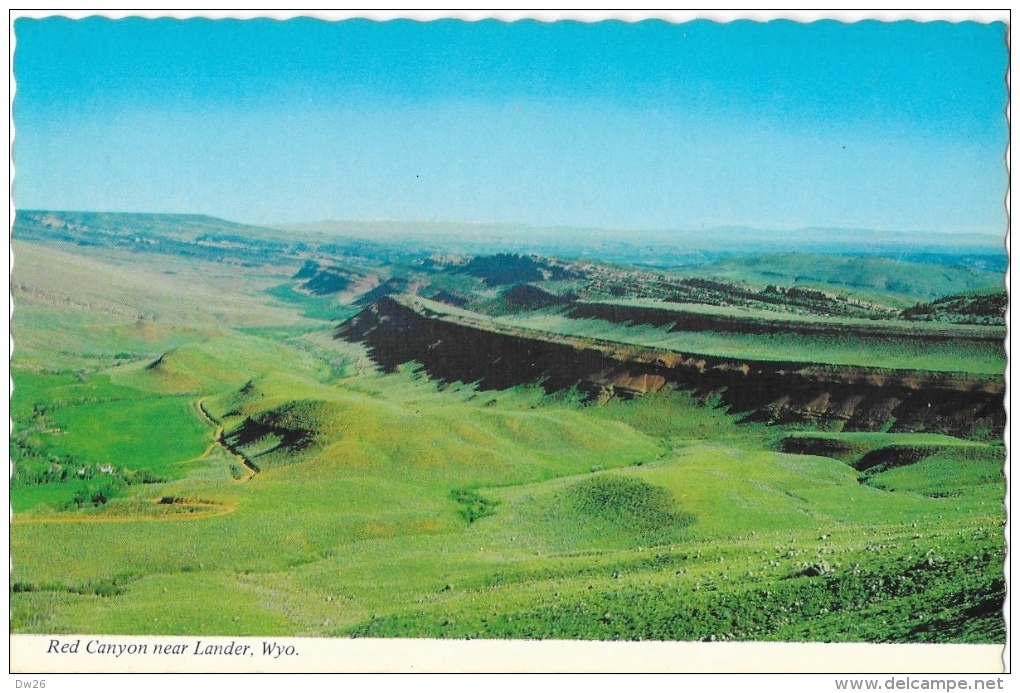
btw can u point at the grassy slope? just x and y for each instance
(73, 312)
(379, 532)
(121, 432)
(184, 291)
(656, 518)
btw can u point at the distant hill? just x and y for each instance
(921, 281)
(389, 241)
(504, 268)
(182, 235)
(974, 308)
(511, 268)
(726, 235)
(671, 247)
(523, 297)
(390, 287)
(329, 280)
(449, 298)
(529, 297)
(74, 226)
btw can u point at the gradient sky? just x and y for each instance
(896, 126)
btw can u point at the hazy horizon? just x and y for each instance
(654, 126)
(460, 231)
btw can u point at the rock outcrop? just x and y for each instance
(461, 348)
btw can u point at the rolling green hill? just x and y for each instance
(188, 429)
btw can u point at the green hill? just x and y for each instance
(983, 307)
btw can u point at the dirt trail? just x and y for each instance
(202, 510)
(249, 467)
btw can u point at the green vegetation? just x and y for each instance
(151, 433)
(311, 306)
(877, 600)
(476, 506)
(505, 268)
(946, 473)
(187, 430)
(912, 352)
(735, 318)
(986, 307)
(892, 278)
(620, 502)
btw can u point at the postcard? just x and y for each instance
(492, 343)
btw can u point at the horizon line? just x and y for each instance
(307, 225)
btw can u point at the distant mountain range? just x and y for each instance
(656, 248)
(680, 247)
(817, 235)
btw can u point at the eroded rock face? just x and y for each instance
(856, 399)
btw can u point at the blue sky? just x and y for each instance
(652, 125)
